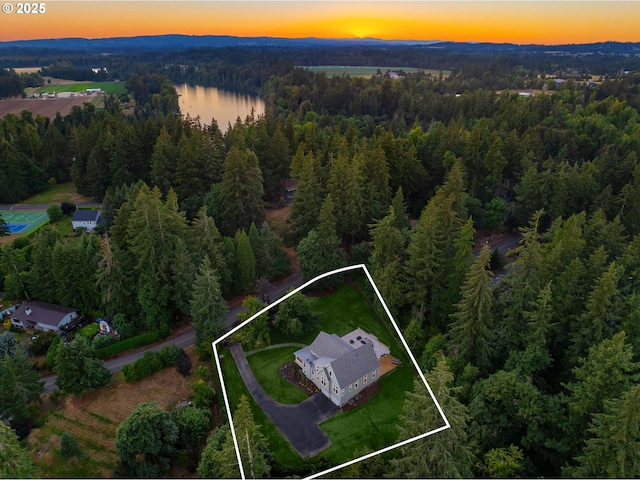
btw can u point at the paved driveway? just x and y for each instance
(297, 423)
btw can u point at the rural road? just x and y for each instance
(188, 337)
(185, 339)
(42, 206)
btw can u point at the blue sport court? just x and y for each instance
(21, 223)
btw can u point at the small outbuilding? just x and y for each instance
(46, 317)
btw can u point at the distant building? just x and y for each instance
(290, 187)
(87, 219)
(43, 316)
(341, 367)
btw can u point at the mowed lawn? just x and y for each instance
(56, 194)
(115, 88)
(265, 367)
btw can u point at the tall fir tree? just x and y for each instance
(613, 451)
(470, 335)
(207, 307)
(446, 454)
(246, 264)
(242, 191)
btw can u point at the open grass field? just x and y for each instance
(115, 88)
(21, 223)
(56, 194)
(355, 71)
(265, 367)
(93, 421)
(369, 425)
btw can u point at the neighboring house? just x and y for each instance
(42, 316)
(339, 367)
(87, 219)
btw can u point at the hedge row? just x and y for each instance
(152, 362)
(128, 344)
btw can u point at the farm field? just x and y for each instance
(47, 107)
(355, 71)
(115, 88)
(94, 418)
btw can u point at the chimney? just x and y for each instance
(27, 311)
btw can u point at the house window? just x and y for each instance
(324, 381)
(335, 389)
(329, 372)
(350, 387)
(298, 360)
(317, 368)
(356, 383)
(317, 378)
(364, 380)
(373, 374)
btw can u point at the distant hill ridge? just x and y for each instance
(181, 42)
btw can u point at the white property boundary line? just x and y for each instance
(395, 326)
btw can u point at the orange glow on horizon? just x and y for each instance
(479, 21)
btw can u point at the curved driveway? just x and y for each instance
(298, 423)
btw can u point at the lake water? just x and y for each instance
(210, 102)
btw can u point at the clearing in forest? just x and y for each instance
(350, 429)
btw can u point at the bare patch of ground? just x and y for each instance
(47, 107)
(278, 215)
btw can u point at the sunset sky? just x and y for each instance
(547, 22)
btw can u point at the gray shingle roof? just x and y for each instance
(86, 216)
(355, 364)
(331, 346)
(42, 312)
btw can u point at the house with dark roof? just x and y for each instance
(339, 368)
(43, 316)
(87, 219)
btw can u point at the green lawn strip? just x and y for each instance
(282, 450)
(372, 424)
(265, 367)
(115, 88)
(97, 101)
(100, 418)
